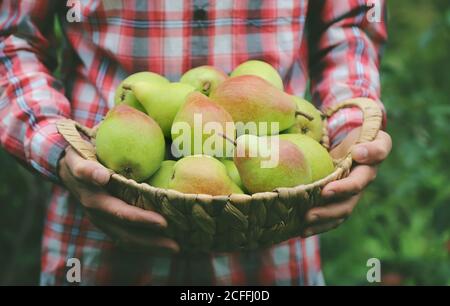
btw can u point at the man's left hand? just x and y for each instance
(343, 195)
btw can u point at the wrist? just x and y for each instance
(45, 148)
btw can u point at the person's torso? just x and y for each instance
(116, 38)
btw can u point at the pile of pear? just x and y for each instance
(136, 135)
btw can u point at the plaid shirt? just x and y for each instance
(331, 43)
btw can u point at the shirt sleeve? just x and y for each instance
(31, 99)
(345, 40)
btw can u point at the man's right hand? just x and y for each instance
(130, 226)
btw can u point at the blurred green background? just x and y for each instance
(404, 217)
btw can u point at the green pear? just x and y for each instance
(261, 69)
(162, 177)
(266, 163)
(311, 124)
(130, 143)
(202, 127)
(251, 100)
(162, 101)
(316, 155)
(127, 97)
(202, 174)
(204, 78)
(233, 172)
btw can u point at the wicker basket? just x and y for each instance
(202, 223)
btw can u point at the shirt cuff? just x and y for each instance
(45, 148)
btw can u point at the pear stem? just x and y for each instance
(310, 118)
(122, 97)
(206, 86)
(126, 87)
(322, 115)
(228, 139)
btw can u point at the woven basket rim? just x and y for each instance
(372, 119)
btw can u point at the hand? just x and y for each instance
(342, 196)
(130, 226)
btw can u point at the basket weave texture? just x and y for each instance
(204, 223)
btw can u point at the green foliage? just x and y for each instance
(404, 217)
(22, 200)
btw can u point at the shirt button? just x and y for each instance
(200, 14)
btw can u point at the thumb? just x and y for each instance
(360, 153)
(100, 175)
(86, 170)
(373, 152)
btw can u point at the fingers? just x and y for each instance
(86, 170)
(374, 152)
(333, 211)
(98, 200)
(358, 179)
(122, 212)
(134, 239)
(325, 218)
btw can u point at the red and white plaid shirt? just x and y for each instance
(329, 42)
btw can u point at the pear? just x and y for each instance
(202, 127)
(311, 124)
(130, 143)
(204, 78)
(261, 69)
(317, 156)
(266, 163)
(233, 172)
(127, 97)
(252, 100)
(161, 101)
(162, 177)
(202, 174)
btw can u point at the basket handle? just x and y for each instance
(372, 117)
(72, 132)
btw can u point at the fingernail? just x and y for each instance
(100, 176)
(361, 153)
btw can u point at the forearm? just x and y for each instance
(345, 51)
(31, 99)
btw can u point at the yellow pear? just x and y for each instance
(162, 177)
(310, 124)
(266, 163)
(130, 143)
(127, 97)
(202, 174)
(261, 69)
(317, 156)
